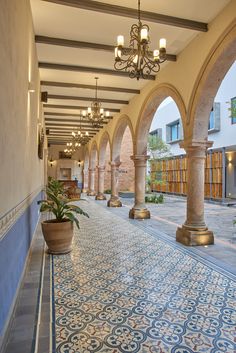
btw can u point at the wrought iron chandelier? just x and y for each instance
(95, 113)
(71, 147)
(137, 59)
(79, 138)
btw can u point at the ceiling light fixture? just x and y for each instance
(71, 147)
(95, 113)
(79, 137)
(139, 61)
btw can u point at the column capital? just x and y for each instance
(114, 164)
(195, 145)
(140, 157)
(101, 168)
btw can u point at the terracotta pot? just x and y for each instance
(58, 236)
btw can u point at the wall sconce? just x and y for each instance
(31, 88)
(79, 163)
(51, 162)
(44, 97)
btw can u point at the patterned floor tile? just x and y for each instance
(124, 291)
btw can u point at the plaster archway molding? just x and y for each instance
(93, 155)
(123, 122)
(216, 65)
(85, 170)
(105, 139)
(120, 128)
(92, 168)
(148, 110)
(86, 158)
(104, 143)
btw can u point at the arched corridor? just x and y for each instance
(125, 269)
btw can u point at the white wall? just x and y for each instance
(76, 170)
(20, 111)
(168, 112)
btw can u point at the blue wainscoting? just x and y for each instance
(14, 248)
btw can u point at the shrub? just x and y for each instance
(108, 191)
(155, 199)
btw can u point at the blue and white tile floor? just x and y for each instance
(122, 290)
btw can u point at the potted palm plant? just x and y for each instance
(58, 231)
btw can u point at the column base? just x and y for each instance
(194, 237)
(114, 202)
(142, 213)
(91, 193)
(100, 197)
(84, 191)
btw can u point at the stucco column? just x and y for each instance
(91, 191)
(85, 180)
(114, 200)
(194, 231)
(139, 210)
(100, 195)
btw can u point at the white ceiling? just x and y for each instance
(59, 21)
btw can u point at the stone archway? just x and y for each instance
(86, 170)
(121, 126)
(104, 145)
(92, 169)
(194, 231)
(214, 69)
(149, 108)
(123, 123)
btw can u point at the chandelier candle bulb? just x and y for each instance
(89, 110)
(156, 54)
(135, 60)
(117, 53)
(120, 41)
(107, 113)
(84, 113)
(162, 43)
(144, 35)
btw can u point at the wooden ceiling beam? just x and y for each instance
(75, 68)
(103, 100)
(69, 130)
(68, 114)
(122, 11)
(48, 120)
(85, 45)
(70, 127)
(75, 107)
(92, 87)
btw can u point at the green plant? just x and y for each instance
(107, 191)
(155, 199)
(55, 186)
(59, 205)
(157, 148)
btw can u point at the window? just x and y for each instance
(156, 133)
(214, 118)
(211, 121)
(233, 110)
(173, 131)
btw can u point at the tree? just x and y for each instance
(157, 148)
